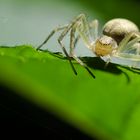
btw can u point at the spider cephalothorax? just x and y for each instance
(105, 45)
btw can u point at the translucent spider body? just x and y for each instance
(119, 40)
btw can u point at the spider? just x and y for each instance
(119, 39)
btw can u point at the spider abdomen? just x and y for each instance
(118, 28)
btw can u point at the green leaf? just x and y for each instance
(106, 107)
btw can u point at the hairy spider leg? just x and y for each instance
(85, 31)
(81, 25)
(94, 25)
(72, 25)
(65, 29)
(126, 45)
(131, 45)
(72, 41)
(122, 45)
(63, 48)
(93, 28)
(51, 34)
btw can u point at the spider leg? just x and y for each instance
(108, 59)
(93, 29)
(128, 45)
(74, 43)
(125, 41)
(84, 31)
(63, 34)
(138, 49)
(50, 35)
(72, 46)
(134, 44)
(94, 25)
(80, 20)
(79, 23)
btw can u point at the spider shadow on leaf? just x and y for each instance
(96, 63)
